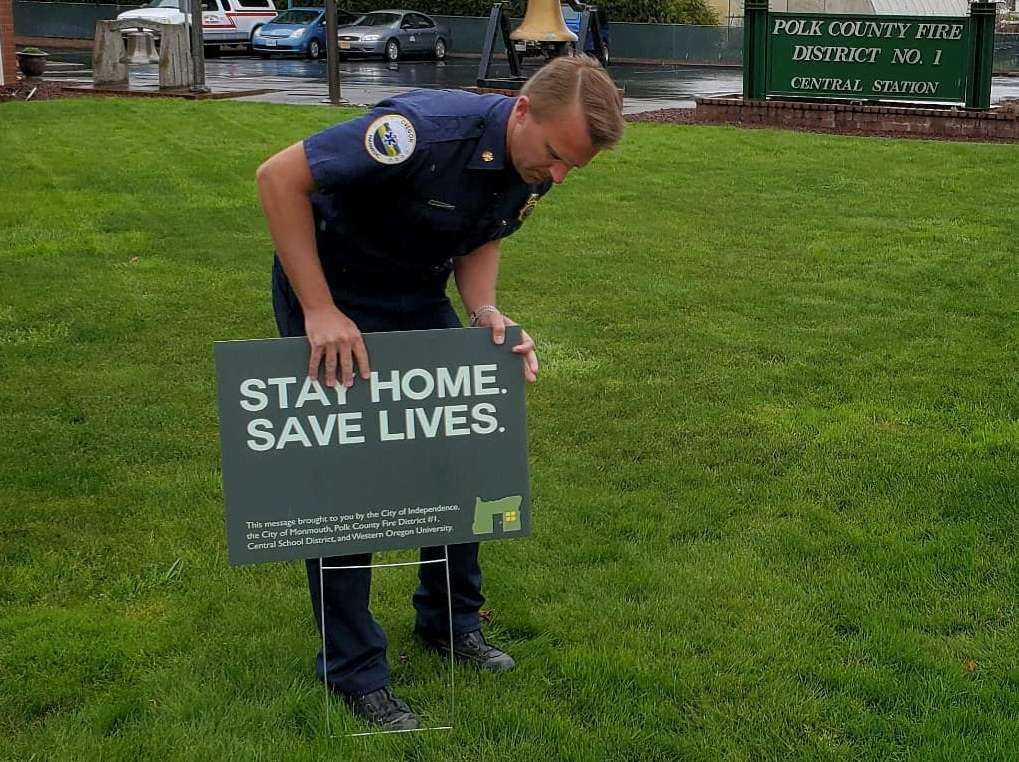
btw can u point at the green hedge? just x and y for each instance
(647, 11)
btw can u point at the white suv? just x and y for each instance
(223, 21)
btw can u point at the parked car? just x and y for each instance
(299, 30)
(394, 34)
(223, 21)
(572, 18)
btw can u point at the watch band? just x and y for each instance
(482, 310)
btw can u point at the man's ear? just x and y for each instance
(522, 106)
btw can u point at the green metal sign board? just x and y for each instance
(895, 58)
(431, 450)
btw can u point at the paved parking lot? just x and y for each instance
(301, 81)
(646, 87)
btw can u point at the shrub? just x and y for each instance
(645, 11)
(648, 11)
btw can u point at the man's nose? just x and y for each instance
(558, 170)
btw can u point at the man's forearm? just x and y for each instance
(476, 275)
(284, 192)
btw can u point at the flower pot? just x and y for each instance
(32, 64)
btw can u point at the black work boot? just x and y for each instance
(384, 709)
(470, 648)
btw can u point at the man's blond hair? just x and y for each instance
(578, 80)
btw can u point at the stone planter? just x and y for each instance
(32, 64)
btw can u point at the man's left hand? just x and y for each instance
(498, 322)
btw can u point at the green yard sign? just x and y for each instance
(899, 58)
(913, 59)
(431, 450)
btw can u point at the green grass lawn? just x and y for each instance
(774, 456)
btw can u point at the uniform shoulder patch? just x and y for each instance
(390, 139)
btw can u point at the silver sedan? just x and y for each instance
(394, 34)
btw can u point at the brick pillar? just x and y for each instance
(8, 63)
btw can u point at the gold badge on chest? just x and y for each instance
(527, 208)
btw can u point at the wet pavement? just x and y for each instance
(299, 81)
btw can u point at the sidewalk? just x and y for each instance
(144, 81)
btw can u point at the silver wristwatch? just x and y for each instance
(482, 310)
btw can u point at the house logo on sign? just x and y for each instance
(506, 510)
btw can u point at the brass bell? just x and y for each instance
(543, 22)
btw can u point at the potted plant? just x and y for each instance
(32, 61)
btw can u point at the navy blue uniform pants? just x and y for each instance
(355, 644)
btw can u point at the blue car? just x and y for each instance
(300, 31)
(572, 18)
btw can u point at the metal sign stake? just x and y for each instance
(449, 600)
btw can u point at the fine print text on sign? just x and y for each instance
(431, 450)
(866, 57)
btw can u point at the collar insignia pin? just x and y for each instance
(526, 209)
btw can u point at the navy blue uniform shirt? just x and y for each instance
(421, 178)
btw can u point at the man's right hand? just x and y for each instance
(332, 334)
